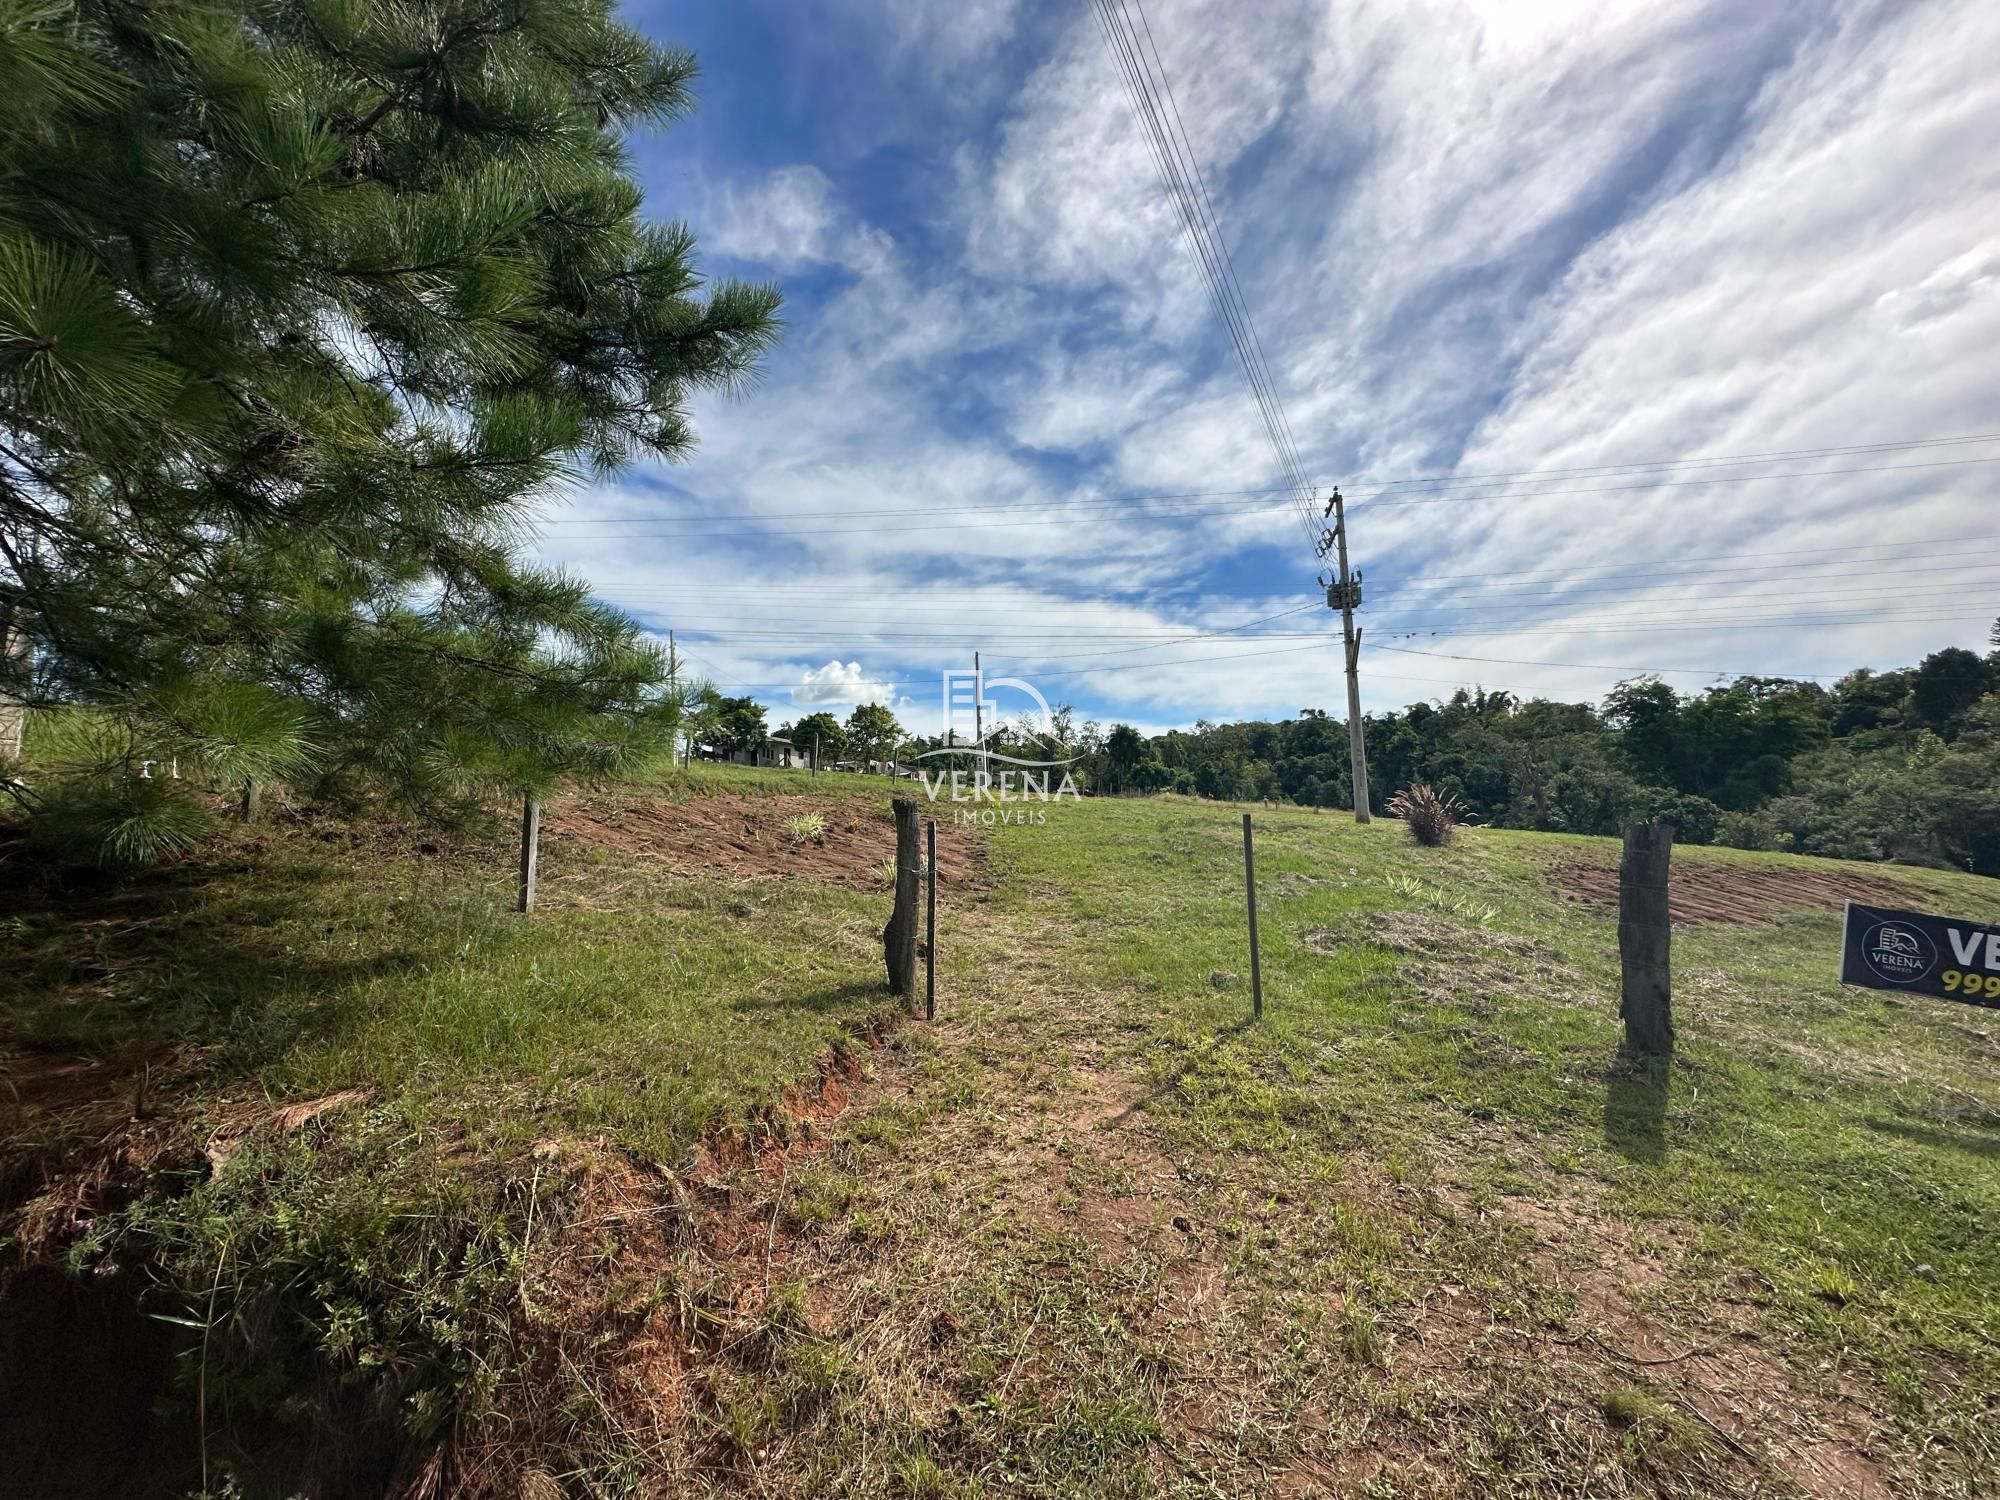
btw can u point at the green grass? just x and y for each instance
(651, 1006)
(1423, 1230)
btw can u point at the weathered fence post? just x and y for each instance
(930, 924)
(13, 711)
(531, 848)
(1645, 934)
(1250, 887)
(899, 936)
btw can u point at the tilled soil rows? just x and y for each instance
(748, 836)
(1724, 893)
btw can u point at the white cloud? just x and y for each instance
(791, 220)
(841, 682)
(1498, 235)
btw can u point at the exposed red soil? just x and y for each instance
(747, 836)
(1726, 893)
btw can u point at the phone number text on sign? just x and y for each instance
(1966, 985)
(1915, 951)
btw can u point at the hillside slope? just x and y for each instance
(647, 1195)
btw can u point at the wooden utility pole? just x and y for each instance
(979, 710)
(1346, 597)
(531, 848)
(1645, 936)
(899, 934)
(1250, 888)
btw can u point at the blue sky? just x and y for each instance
(1477, 240)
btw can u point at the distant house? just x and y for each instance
(775, 752)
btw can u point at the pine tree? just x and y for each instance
(303, 306)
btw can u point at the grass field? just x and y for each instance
(644, 1194)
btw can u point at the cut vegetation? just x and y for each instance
(365, 1184)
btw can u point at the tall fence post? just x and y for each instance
(1645, 937)
(899, 935)
(531, 848)
(930, 924)
(1250, 888)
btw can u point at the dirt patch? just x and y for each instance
(1726, 893)
(1721, 1367)
(749, 837)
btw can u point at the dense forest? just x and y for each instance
(1901, 765)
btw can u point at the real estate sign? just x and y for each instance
(1917, 952)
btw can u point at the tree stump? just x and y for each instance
(899, 936)
(1645, 931)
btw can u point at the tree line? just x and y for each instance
(1894, 765)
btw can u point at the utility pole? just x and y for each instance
(979, 711)
(1345, 596)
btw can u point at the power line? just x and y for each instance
(1666, 484)
(1141, 666)
(1585, 666)
(922, 511)
(1697, 461)
(1173, 157)
(1847, 555)
(1592, 628)
(1436, 483)
(1093, 511)
(1600, 600)
(1487, 599)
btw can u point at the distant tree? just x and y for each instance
(821, 729)
(1947, 683)
(1124, 751)
(872, 731)
(738, 724)
(1868, 702)
(1062, 729)
(1647, 713)
(301, 309)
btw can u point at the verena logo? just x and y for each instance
(971, 720)
(1901, 955)
(970, 716)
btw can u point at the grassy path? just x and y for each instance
(1418, 1234)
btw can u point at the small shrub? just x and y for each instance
(806, 828)
(1431, 816)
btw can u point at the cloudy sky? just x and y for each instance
(1534, 283)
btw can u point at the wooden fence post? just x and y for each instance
(531, 848)
(899, 935)
(930, 925)
(1645, 935)
(1250, 887)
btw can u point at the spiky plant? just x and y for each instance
(1432, 817)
